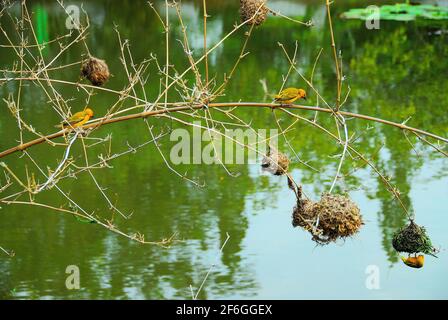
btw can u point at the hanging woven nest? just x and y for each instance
(96, 71)
(333, 217)
(275, 162)
(412, 239)
(255, 10)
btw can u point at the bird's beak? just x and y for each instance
(304, 98)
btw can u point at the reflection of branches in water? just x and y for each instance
(400, 168)
(404, 88)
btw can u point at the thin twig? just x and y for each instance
(174, 109)
(195, 296)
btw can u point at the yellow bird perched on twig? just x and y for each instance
(289, 95)
(78, 119)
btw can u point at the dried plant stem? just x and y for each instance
(335, 56)
(9, 253)
(278, 13)
(167, 50)
(242, 54)
(195, 296)
(112, 207)
(193, 98)
(174, 109)
(432, 145)
(205, 42)
(135, 237)
(60, 166)
(336, 177)
(386, 181)
(338, 117)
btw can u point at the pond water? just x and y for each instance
(398, 72)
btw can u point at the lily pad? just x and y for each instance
(398, 12)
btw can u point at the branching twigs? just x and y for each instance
(104, 162)
(211, 128)
(167, 51)
(101, 189)
(186, 47)
(285, 79)
(204, 5)
(278, 13)
(385, 180)
(292, 64)
(339, 117)
(6, 186)
(196, 103)
(217, 45)
(289, 144)
(135, 236)
(64, 194)
(241, 56)
(214, 105)
(336, 177)
(335, 56)
(234, 140)
(432, 145)
(312, 79)
(64, 159)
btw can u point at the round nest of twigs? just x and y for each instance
(333, 217)
(275, 162)
(412, 239)
(255, 10)
(96, 71)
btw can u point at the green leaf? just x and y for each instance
(400, 12)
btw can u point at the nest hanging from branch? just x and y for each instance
(275, 162)
(333, 217)
(412, 239)
(96, 71)
(255, 10)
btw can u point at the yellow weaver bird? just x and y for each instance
(78, 119)
(289, 95)
(414, 262)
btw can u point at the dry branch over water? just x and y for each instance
(178, 98)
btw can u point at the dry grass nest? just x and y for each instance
(412, 239)
(96, 71)
(333, 217)
(253, 8)
(275, 162)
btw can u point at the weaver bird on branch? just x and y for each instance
(289, 95)
(78, 119)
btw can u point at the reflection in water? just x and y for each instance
(41, 25)
(397, 73)
(402, 77)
